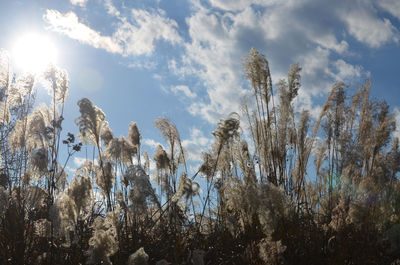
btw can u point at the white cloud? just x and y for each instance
(196, 145)
(219, 42)
(391, 6)
(111, 9)
(139, 38)
(185, 90)
(367, 28)
(286, 32)
(316, 34)
(346, 72)
(136, 38)
(69, 25)
(81, 3)
(79, 161)
(151, 143)
(148, 65)
(235, 5)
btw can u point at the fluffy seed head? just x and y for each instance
(138, 258)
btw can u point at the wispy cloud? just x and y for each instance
(196, 145)
(81, 3)
(346, 71)
(391, 6)
(139, 38)
(69, 25)
(145, 64)
(130, 38)
(363, 24)
(312, 33)
(185, 90)
(79, 161)
(151, 143)
(318, 35)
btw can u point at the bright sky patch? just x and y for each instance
(34, 52)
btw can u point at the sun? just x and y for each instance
(34, 52)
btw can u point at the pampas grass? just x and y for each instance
(261, 200)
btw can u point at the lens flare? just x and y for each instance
(34, 53)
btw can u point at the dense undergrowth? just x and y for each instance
(279, 187)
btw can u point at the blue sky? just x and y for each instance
(139, 60)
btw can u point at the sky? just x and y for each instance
(183, 60)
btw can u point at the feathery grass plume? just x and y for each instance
(90, 122)
(25, 83)
(285, 112)
(105, 178)
(241, 201)
(256, 69)
(60, 178)
(127, 150)
(274, 205)
(327, 105)
(294, 80)
(272, 252)
(120, 149)
(287, 92)
(26, 177)
(161, 158)
(167, 129)
(320, 157)
(106, 134)
(15, 97)
(385, 126)
(146, 166)
(113, 150)
(242, 155)
(104, 241)
(3, 200)
(58, 82)
(339, 212)
(304, 146)
(4, 113)
(42, 228)
(162, 165)
(80, 191)
(359, 213)
(185, 187)
(120, 199)
(18, 90)
(171, 135)
(207, 168)
(38, 129)
(134, 134)
(141, 188)
(4, 69)
(35, 198)
(63, 215)
(302, 131)
(227, 128)
(140, 257)
(87, 168)
(39, 161)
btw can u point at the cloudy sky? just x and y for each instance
(182, 60)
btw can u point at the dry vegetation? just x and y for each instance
(299, 191)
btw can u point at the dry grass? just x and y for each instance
(256, 207)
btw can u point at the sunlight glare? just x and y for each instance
(34, 53)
